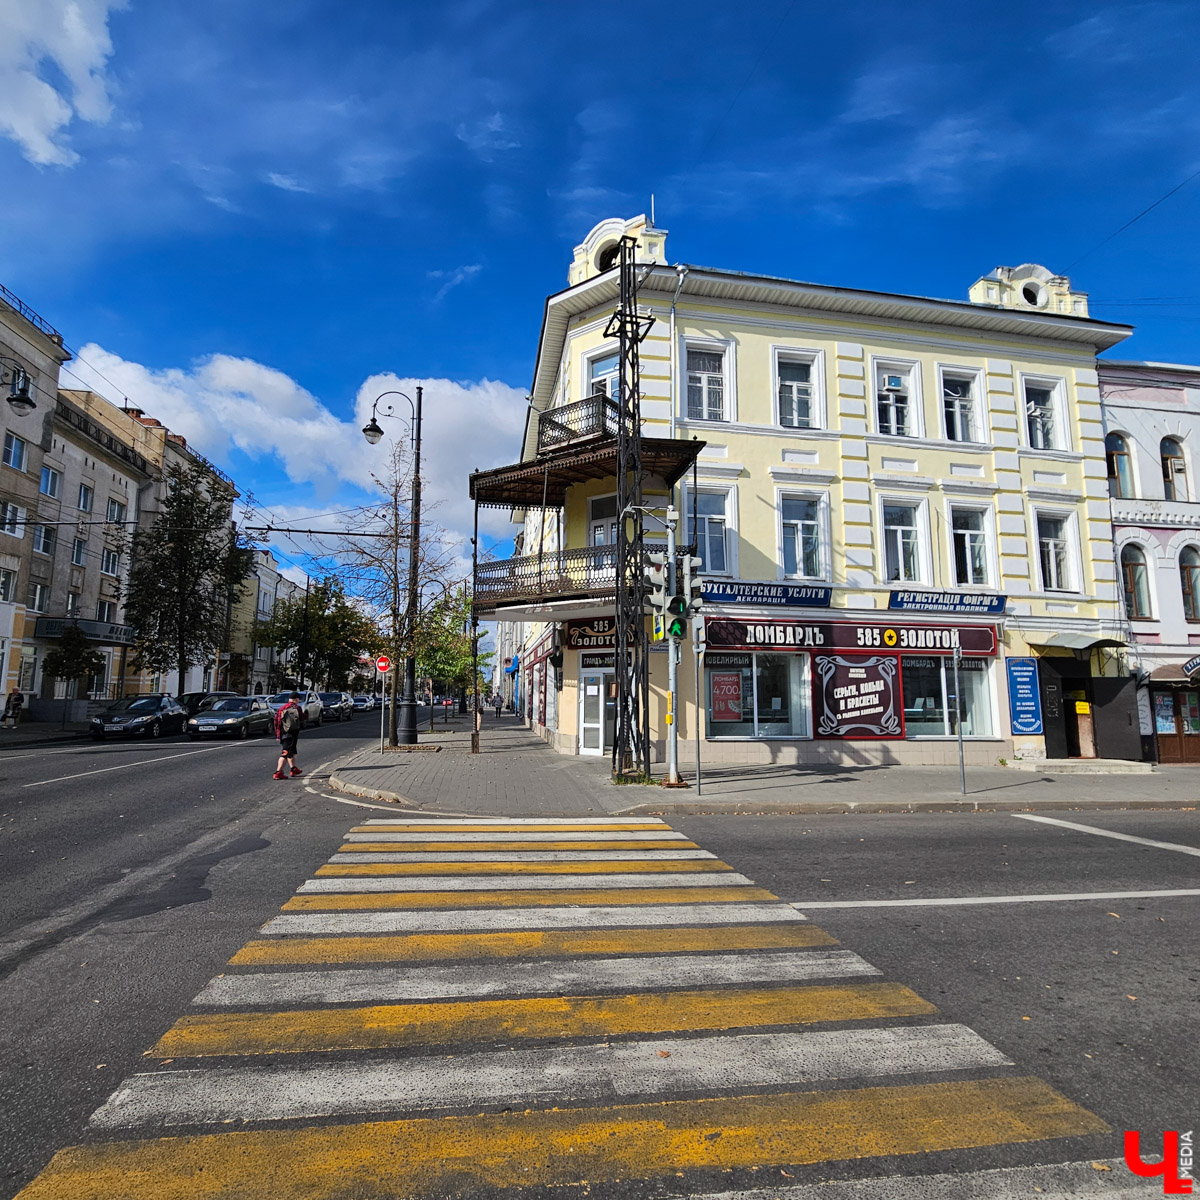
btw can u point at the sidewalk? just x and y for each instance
(41, 733)
(517, 774)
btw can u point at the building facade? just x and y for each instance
(1152, 429)
(879, 488)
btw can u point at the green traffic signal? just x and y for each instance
(677, 627)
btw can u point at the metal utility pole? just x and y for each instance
(631, 746)
(962, 765)
(673, 645)
(407, 732)
(304, 636)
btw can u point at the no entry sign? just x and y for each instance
(383, 664)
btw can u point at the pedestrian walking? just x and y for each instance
(498, 701)
(12, 708)
(287, 730)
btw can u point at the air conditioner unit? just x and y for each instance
(893, 383)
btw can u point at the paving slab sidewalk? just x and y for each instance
(41, 733)
(517, 774)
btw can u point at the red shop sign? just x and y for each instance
(978, 641)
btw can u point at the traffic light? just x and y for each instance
(656, 582)
(677, 617)
(693, 601)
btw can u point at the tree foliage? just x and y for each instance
(74, 657)
(326, 633)
(444, 647)
(189, 568)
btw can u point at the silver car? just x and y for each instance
(232, 716)
(311, 708)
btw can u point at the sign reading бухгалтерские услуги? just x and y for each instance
(788, 595)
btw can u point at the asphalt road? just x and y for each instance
(124, 892)
(129, 872)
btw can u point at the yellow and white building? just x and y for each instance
(876, 480)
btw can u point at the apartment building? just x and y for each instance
(872, 482)
(1152, 427)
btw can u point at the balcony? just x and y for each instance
(556, 575)
(592, 419)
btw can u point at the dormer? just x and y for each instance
(600, 250)
(1030, 287)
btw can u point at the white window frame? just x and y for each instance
(78, 556)
(1183, 454)
(1071, 537)
(42, 593)
(727, 348)
(10, 598)
(989, 533)
(1057, 387)
(591, 356)
(44, 539)
(923, 555)
(73, 599)
(100, 605)
(916, 395)
(12, 441)
(781, 354)
(54, 477)
(824, 533)
(12, 519)
(91, 497)
(110, 558)
(731, 524)
(114, 502)
(975, 374)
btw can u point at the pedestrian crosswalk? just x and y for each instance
(459, 1007)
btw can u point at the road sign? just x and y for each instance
(660, 627)
(383, 664)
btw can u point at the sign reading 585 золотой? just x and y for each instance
(979, 641)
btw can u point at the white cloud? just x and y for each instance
(67, 39)
(451, 279)
(285, 182)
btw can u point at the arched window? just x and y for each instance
(1136, 582)
(1120, 471)
(1174, 469)
(1189, 580)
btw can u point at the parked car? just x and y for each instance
(151, 715)
(336, 706)
(363, 703)
(311, 708)
(232, 716)
(193, 702)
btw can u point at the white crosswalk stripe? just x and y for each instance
(490, 883)
(591, 835)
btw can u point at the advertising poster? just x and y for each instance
(858, 697)
(1164, 712)
(726, 695)
(1024, 698)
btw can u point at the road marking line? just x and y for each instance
(589, 835)
(505, 822)
(440, 1156)
(379, 985)
(1108, 833)
(633, 866)
(362, 901)
(126, 766)
(471, 883)
(493, 847)
(480, 1021)
(592, 1073)
(486, 920)
(355, 855)
(946, 901)
(542, 944)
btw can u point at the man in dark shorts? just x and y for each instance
(287, 730)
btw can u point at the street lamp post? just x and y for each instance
(406, 727)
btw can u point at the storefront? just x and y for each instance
(1175, 705)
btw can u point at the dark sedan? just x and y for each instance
(232, 716)
(150, 716)
(337, 706)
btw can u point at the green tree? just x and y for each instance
(326, 630)
(189, 568)
(444, 648)
(74, 656)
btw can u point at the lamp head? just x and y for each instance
(20, 399)
(372, 431)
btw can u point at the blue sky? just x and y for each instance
(253, 217)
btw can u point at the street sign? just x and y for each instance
(660, 627)
(383, 664)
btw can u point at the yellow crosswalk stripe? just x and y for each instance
(515, 844)
(656, 867)
(461, 1156)
(589, 897)
(463, 1021)
(549, 943)
(503, 827)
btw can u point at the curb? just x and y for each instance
(65, 740)
(366, 793)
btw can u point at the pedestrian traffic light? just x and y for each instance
(689, 566)
(656, 582)
(676, 617)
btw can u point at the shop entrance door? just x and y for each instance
(1177, 724)
(597, 711)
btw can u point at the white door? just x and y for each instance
(591, 712)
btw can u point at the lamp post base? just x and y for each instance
(406, 721)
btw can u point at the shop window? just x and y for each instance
(797, 402)
(706, 385)
(1174, 469)
(755, 695)
(929, 703)
(901, 543)
(802, 555)
(960, 408)
(1120, 471)
(1054, 553)
(712, 532)
(969, 530)
(1136, 583)
(1189, 579)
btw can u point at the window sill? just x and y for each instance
(1055, 455)
(887, 439)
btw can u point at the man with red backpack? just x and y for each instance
(287, 730)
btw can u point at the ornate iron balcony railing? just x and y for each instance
(588, 572)
(594, 417)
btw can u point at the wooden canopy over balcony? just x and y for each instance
(544, 481)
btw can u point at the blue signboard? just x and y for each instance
(955, 602)
(1024, 698)
(1189, 668)
(788, 595)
